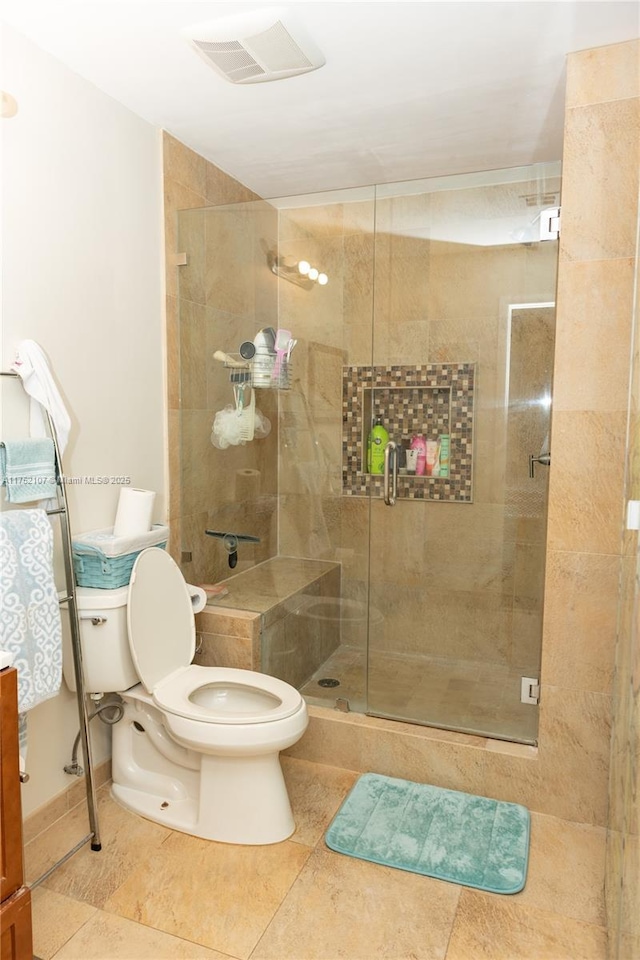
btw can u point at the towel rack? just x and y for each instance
(62, 511)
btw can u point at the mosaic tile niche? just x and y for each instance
(431, 399)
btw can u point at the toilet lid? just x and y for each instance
(162, 629)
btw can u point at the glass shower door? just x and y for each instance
(332, 322)
(462, 361)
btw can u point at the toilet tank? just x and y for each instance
(106, 658)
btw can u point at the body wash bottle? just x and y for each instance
(376, 442)
(433, 464)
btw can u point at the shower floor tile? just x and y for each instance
(480, 699)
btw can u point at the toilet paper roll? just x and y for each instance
(247, 484)
(133, 515)
(198, 597)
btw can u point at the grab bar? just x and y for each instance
(390, 473)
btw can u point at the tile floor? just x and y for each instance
(463, 695)
(153, 894)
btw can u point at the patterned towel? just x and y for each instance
(27, 470)
(30, 624)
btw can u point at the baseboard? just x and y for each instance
(41, 818)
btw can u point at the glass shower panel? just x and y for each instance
(462, 360)
(302, 266)
(226, 293)
(333, 233)
(430, 304)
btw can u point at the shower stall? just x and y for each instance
(436, 313)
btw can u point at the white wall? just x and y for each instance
(82, 275)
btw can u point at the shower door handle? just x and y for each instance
(544, 459)
(390, 473)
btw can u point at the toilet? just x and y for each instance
(197, 748)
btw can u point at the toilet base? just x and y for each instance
(237, 814)
(244, 800)
(179, 815)
(241, 800)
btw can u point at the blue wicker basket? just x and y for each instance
(104, 561)
(93, 569)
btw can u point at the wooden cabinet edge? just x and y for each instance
(16, 938)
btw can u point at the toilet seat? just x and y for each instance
(161, 629)
(234, 696)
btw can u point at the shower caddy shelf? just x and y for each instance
(69, 598)
(259, 372)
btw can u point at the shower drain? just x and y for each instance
(328, 682)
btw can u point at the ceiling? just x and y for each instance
(409, 90)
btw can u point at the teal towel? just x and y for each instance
(27, 470)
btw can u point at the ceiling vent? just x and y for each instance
(255, 47)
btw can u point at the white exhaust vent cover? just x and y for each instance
(255, 47)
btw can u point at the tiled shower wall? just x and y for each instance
(222, 295)
(623, 839)
(598, 251)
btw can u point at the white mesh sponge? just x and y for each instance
(227, 430)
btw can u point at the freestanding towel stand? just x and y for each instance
(62, 511)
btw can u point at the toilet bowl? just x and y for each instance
(198, 747)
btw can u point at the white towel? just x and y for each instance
(30, 624)
(32, 365)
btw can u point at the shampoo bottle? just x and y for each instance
(377, 441)
(444, 454)
(419, 444)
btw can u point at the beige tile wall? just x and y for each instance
(621, 70)
(223, 295)
(596, 274)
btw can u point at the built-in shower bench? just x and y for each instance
(266, 622)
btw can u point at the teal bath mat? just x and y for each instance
(444, 834)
